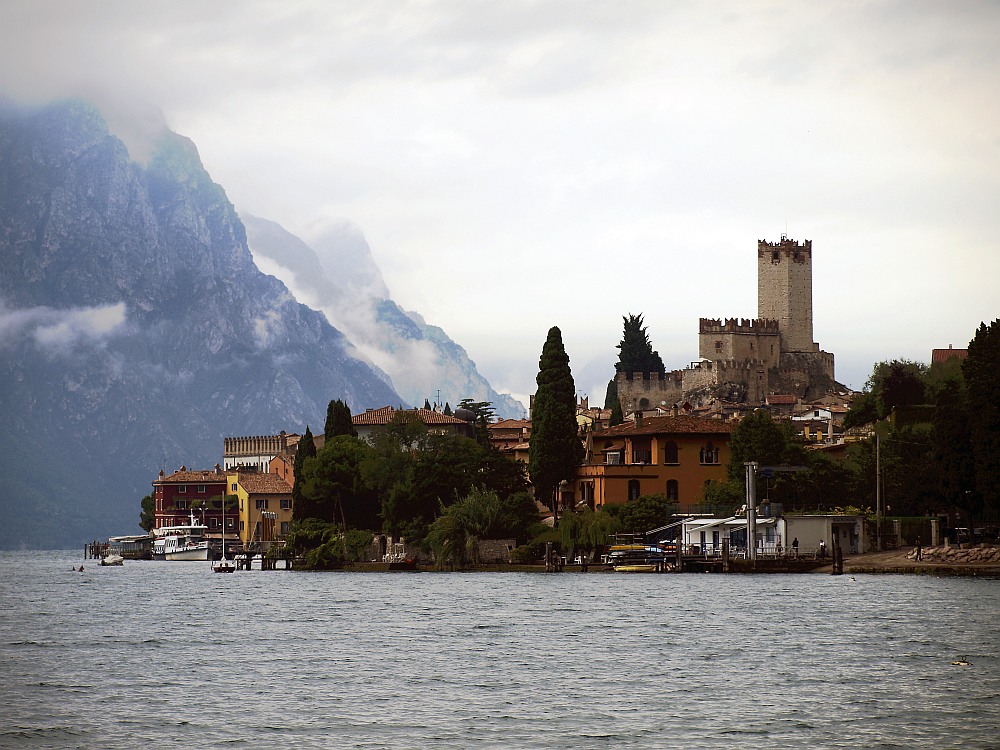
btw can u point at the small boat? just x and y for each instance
(397, 559)
(184, 542)
(113, 560)
(223, 565)
(637, 558)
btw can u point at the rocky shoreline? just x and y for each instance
(981, 560)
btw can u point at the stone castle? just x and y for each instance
(744, 360)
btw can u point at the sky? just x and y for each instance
(520, 165)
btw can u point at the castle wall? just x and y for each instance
(784, 290)
(740, 340)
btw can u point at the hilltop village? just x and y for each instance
(666, 437)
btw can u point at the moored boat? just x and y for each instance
(184, 542)
(113, 559)
(637, 558)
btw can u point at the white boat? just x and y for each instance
(223, 565)
(113, 559)
(186, 542)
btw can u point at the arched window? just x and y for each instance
(633, 489)
(673, 492)
(643, 403)
(670, 452)
(709, 454)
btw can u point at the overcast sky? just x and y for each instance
(517, 165)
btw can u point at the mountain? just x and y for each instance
(335, 273)
(135, 329)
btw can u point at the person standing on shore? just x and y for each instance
(919, 555)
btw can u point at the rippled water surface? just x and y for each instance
(174, 655)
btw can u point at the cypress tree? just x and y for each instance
(635, 350)
(555, 450)
(983, 386)
(338, 420)
(612, 402)
(301, 508)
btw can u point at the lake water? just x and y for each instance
(172, 655)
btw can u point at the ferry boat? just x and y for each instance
(186, 542)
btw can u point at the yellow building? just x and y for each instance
(265, 506)
(669, 455)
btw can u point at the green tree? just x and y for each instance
(555, 450)
(612, 402)
(484, 415)
(645, 513)
(306, 449)
(756, 438)
(954, 458)
(481, 514)
(333, 484)
(980, 370)
(338, 420)
(901, 384)
(635, 349)
(147, 519)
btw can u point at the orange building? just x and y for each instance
(670, 455)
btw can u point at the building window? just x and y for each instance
(613, 459)
(718, 346)
(670, 452)
(201, 489)
(213, 522)
(241, 526)
(180, 504)
(673, 493)
(633, 489)
(284, 528)
(234, 487)
(709, 454)
(286, 503)
(261, 503)
(182, 488)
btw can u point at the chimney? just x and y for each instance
(675, 410)
(638, 418)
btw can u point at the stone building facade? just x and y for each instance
(744, 360)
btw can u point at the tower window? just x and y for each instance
(775, 256)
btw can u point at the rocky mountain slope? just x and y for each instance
(136, 330)
(335, 273)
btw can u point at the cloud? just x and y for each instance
(61, 330)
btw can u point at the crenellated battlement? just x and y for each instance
(784, 245)
(752, 326)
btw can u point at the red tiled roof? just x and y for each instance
(777, 399)
(188, 476)
(385, 415)
(682, 423)
(943, 355)
(509, 424)
(260, 483)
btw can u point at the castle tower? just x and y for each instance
(784, 291)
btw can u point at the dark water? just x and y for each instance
(172, 655)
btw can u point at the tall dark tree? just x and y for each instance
(333, 484)
(611, 402)
(147, 519)
(635, 349)
(902, 384)
(980, 370)
(756, 438)
(555, 450)
(302, 507)
(484, 415)
(338, 420)
(954, 458)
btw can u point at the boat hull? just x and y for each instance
(187, 554)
